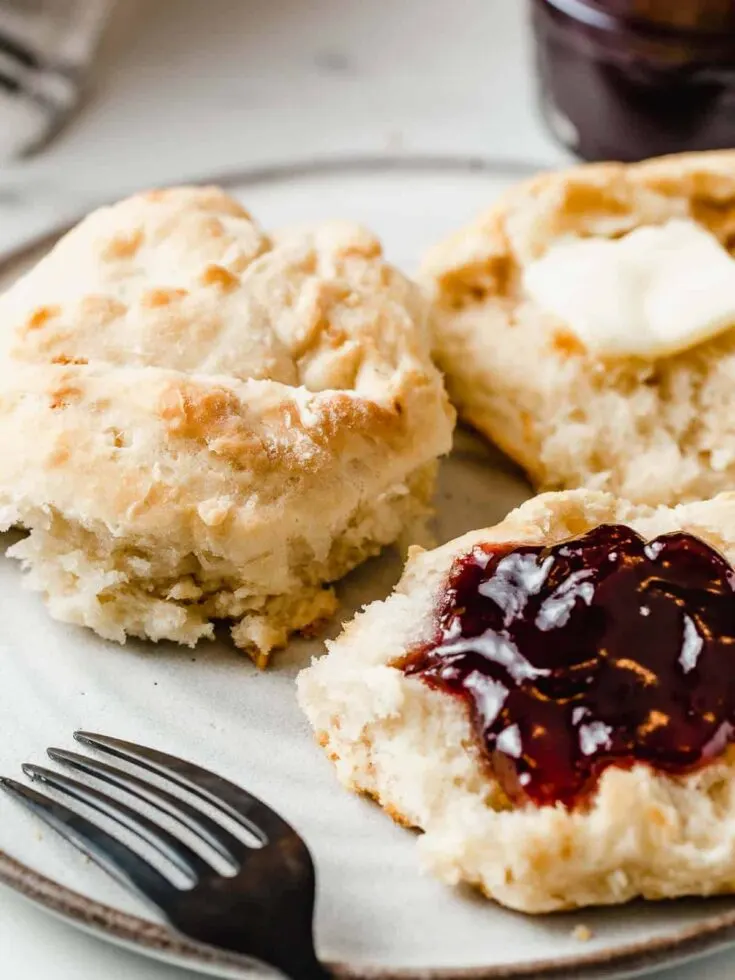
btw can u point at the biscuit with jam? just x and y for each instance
(552, 702)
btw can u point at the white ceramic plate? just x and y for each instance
(378, 916)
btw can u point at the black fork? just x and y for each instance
(265, 909)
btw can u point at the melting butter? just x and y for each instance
(655, 292)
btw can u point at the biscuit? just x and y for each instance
(652, 430)
(413, 749)
(201, 422)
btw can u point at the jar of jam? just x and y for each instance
(628, 79)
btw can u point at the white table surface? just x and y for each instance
(190, 87)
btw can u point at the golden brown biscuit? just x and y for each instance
(203, 423)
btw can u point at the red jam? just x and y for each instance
(599, 651)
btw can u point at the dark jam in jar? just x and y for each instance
(628, 79)
(599, 651)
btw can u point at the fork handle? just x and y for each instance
(303, 968)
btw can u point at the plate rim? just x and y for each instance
(147, 937)
(282, 170)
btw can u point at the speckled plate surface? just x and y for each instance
(378, 916)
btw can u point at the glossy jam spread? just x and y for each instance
(602, 650)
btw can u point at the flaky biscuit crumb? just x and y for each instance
(653, 431)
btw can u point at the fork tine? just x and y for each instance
(112, 855)
(163, 842)
(220, 840)
(240, 805)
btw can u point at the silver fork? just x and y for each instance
(264, 909)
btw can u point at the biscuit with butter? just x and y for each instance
(585, 324)
(201, 422)
(551, 702)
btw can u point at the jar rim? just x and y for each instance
(590, 13)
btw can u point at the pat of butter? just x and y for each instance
(655, 292)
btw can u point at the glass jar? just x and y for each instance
(628, 79)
